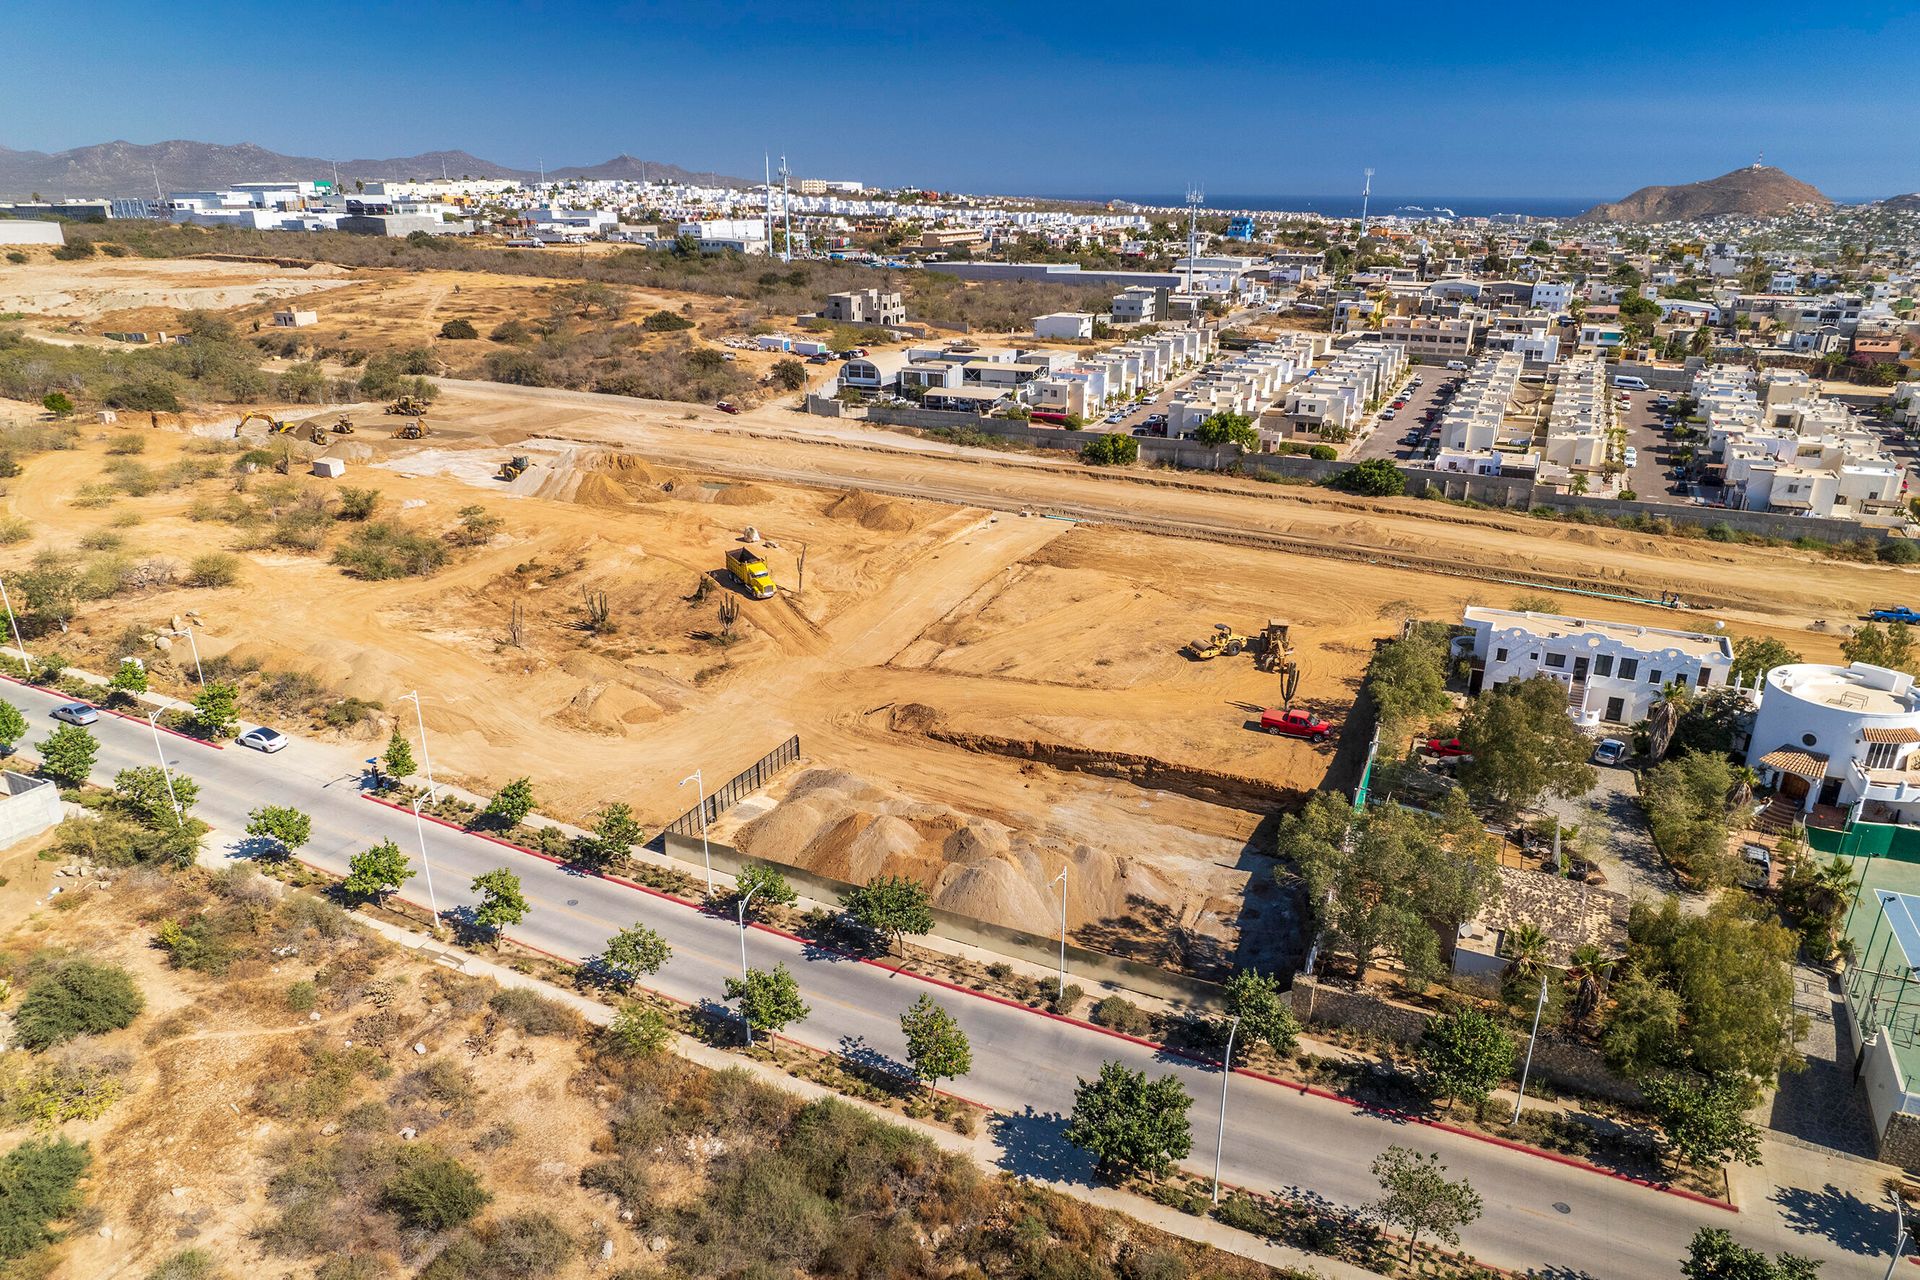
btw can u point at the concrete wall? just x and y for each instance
(27, 807)
(1657, 378)
(1005, 428)
(24, 231)
(1082, 964)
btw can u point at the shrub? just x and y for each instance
(39, 1185)
(638, 1031)
(126, 444)
(535, 1014)
(1374, 478)
(1063, 999)
(188, 1264)
(56, 403)
(79, 998)
(382, 549)
(459, 329)
(145, 397)
(1900, 551)
(302, 996)
(511, 331)
(13, 530)
(1110, 451)
(665, 322)
(357, 504)
(434, 1191)
(1122, 1014)
(1323, 452)
(213, 569)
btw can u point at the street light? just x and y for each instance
(153, 723)
(425, 755)
(1541, 1004)
(1061, 879)
(1903, 1233)
(701, 785)
(26, 667)
(1220, 1136)
(420, 832)
(746, 1015)
(200, 676)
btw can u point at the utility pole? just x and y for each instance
(26, 665)
(1195, 198)
(420, 833)
(1220, 1135)
(1061, 880)
(1541, 1004)
(426, 756)
(700, 784)
(746, 1015)
(153, 722)
(786, 213)
(1366, 194)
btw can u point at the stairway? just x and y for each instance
(1777, 818)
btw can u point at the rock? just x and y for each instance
(409, 1133)
(313, 1017)
(106, 1233)
(419, 1048)
(658, 1244)
(606, 1250)
(328, 1129)
(626, 1215)
(178, 1192)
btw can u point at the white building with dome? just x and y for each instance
(1840, 738)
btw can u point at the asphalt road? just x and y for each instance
(1564, 1222)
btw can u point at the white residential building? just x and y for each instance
(1843, 737)
(1614, 671)
(1064, 326)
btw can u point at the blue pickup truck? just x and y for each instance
(1900, 614)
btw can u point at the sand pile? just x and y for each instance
(870, 512)
(840, 825)
(597, 489)
(742, 495)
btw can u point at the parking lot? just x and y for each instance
(1387, 439)
(1651, 477)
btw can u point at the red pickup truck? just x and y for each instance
(1295, 724)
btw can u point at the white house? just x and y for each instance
(1614, 671)
(1843, 737)
(1064, 326)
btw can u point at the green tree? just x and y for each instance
(57, 403)
(1702, 1117)
(635, 951)
(13, 726)
(501, 902)
(457, 329)
(216, 710)
(765, 885)
(1814, 895)
(1727, 1007)
(1416, 1197)
(1390, 882)
(1260, 1004)
(66, 755)
(769, 998)
(1374, 478)
(1714, 1255)
(39, 1186)
(1589, 969)
(1407, 680)
(893, 907)
(1129, 1123)
(399, 756)
(74, 999)
(1754, 656)
(287, 828)
(1891, 648)
(380, 870)
(1466, 1054)
(1110, 450)
(1227, 428)
(129, 679)
(937, 1048)
(788, 375)
(614, 834)
(144, 793)
(510, 804)
(1524, 746)
(639, 1031)
(1686, 799)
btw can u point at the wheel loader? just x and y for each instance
(412, 406)
(417, 429)
(344, 427)
(513, 467)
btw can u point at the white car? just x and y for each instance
(1632, 455)
(1610, 751)
(76, 713)
(264, 739)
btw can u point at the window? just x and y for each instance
(1603, 665)
(1499, 655)
(1556, 660)
(1880, 755)
(1629, 668)
(1653, 676)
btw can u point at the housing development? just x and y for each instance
(822, 719)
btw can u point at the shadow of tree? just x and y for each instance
(870, 1061)
(1033, 1144)
(1853, 1224)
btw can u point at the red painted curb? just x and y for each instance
(1305, 1090)
(124, 715)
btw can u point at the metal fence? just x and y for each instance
(737, 788)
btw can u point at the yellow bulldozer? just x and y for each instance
(417, 429)
(513, 467)
(412, 406)
(317, 435)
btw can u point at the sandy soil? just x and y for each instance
(132, 293)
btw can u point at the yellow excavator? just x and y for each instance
(513, 467)
(416, 429)
(275, 426)
(412, 406)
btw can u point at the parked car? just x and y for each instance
(727, 406)
(1446, 747)
(1631, 456)
(1899, 613)
(1295, 724)
(1610, 751)
(1386, 415)
(264, 739)
(76, 713)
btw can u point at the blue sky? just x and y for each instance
(1254, 98)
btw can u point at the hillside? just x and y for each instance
(1909, 203)
(130, 169)
(1754, 191)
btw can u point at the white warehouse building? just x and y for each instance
(1614, 671)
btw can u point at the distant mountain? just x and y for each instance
(1909, 203)
(128, 169)
(626, 167)
(1755, 191)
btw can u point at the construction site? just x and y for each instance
(999, 664)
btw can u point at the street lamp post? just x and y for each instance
(1901, 1234)
(1220, 1135)
(1061, 879)
(199, 675)
(746, 1015)
(701, 785)
(420, 833)
(426, 757)
(1539, 1005)
(26, 666)
(153, 723)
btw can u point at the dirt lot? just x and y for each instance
(140, 293)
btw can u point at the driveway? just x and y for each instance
(1623, 846)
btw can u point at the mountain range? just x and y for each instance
(130, 169)
(1755, 191)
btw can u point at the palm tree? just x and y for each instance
(1526, 948)
(1745, 779)
(1588, 972)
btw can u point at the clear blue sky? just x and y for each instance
(1248, 98)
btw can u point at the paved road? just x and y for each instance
(1385, 439)
(1563, 1221)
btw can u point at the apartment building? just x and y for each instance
(1330, 402)
(951, 237)
(1614, 671)
(1138, 305)
(1064, 326)
(1432, 338)
(1581, 418)
(866, 306)
(1777, 446)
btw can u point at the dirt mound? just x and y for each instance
(742, 495)
(838, 824)
(870, 512)
(596, 489)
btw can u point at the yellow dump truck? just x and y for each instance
(751, 572)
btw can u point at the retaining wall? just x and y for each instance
(1082, 964)
(28, 806)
